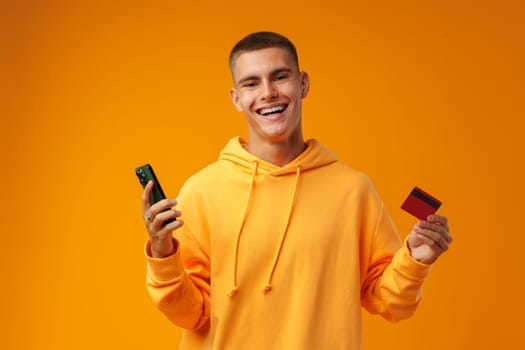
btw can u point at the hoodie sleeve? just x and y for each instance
(179, 285)
(393, 281)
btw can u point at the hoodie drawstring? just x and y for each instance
(268, 285)
(238, 239)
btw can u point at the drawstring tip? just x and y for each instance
(233, 292)
(267, 288)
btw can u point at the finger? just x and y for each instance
(173, 225)
(440, 226)
(146, 197)
(162, 217)
(433, 227)
(163, 231)
(161, 206)
(431, 244)
(434, 236)
(435, 232)
(438, 219)
(166, 214)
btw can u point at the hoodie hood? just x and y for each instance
(314, 156)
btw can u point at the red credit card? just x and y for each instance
(421, 204)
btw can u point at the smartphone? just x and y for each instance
(146, 174)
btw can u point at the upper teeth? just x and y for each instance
(271, 110)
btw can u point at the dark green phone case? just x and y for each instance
(145, 174)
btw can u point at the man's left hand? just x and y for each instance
(429, 239)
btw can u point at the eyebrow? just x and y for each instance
(272, 73)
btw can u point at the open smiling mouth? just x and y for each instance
(272, 110)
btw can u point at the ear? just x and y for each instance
(305, 84)
(235, 99)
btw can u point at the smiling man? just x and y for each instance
(282, 244)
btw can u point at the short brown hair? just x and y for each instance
(263, 40)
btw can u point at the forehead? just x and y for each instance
(261, 62)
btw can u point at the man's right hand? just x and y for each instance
(162, 242)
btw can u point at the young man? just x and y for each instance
(282, 243)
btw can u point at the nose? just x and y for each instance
(269, 91)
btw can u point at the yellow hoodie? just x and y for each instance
(282, 257)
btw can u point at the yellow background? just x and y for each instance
(426, 93)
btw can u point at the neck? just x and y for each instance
(278, 153)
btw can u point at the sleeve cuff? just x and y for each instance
(163, 269)
(410, 265)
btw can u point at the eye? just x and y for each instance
(281, 77)
(249, 84)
